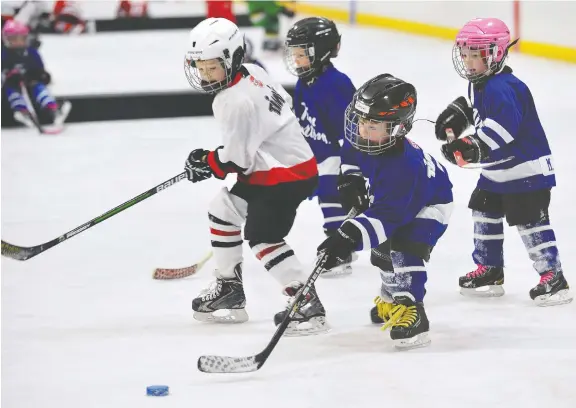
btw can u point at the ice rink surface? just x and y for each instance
(84, 325)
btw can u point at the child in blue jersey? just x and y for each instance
(405, 212)
(22, 65)
(506, 130)
(320, 99)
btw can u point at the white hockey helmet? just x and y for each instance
(214, 38)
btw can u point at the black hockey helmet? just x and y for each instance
(315, 39)
(381, 112)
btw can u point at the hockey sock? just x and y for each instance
(488, 238)
(17, 101)
(540, 242)
(409, 276)
(43, 97)
(279, 259)
(333, 213)
(226, 245)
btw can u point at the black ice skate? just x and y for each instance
(485, 281)
(224, 295)
(552, 290)
(341, 269)
(380, 313)
(408, 324)
(309, 319)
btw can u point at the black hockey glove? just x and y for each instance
(469, 149)
(38, 75)
(12, 78)
(458, 116)
(339, 246)
(353, 193)
(196, 167)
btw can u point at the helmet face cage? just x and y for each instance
(195, 79)
(373, 136)
(296, 55)
(475, 62)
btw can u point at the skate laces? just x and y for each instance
(481, 270)
(546, 277)
(212, 291)
(384, 308)
(401, 315)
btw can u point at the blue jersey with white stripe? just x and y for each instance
(506, 120)
(320, 108)
(410, 191)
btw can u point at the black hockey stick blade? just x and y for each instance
(24, 253)
(223, 364)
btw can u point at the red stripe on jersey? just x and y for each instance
(236, 79)
(277, 175)
(224, 233)
(266, 251)
(215, 166)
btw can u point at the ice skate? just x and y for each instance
(552, 290)
(223, 302)
(485, 281)
(342, 269)
(310, 318)
(408, 324)
(380, 313)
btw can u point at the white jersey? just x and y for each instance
(262, 139)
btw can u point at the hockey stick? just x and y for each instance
(179, 273)
(25, 253)
(450, 137)
(223, 364)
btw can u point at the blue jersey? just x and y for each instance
(27, 60)
(506, 120)
(320, 107)
(405, 186)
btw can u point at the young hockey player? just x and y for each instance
(405, 211)
(266, 14)
(507, 128)
(276, 170)
(22, 67)
(320, 99)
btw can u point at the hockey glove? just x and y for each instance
(458, 116)
(196, 167)
(469, 149)
(12, 78)
(339, 246)
(38, 75)
(353, 193)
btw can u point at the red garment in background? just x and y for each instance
(221, 9)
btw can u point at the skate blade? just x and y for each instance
(483, 291)
(418, 341)
(233, 316)
(314, 326)
(337, 272)
(559, 298)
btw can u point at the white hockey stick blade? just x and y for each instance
(222, 364)
(179, 273)
(24, 119)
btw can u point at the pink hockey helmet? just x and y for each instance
(489, 36)
(11, 31)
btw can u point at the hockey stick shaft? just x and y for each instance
(224, 364)
(24, 253)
